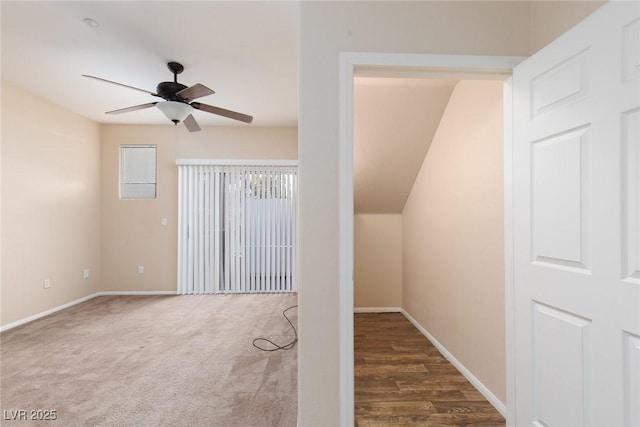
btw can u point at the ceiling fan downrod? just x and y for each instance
(176, 68)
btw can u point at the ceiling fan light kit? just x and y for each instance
(177, 104)
(175, 111)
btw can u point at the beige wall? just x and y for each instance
(377, 260)
(50, 205)
(132, 233)
(394, 120)
(61, 212)
(326, 29)
(550, 19)
(453, 252)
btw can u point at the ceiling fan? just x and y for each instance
(178, 100)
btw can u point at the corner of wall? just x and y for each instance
(377, 260)
(453, 257)
(51, 200)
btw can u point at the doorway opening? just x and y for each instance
(386, 66)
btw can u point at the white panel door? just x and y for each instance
(577, 225)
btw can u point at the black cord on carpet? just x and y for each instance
(277, 347)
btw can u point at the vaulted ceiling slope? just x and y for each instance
(395, 120)
(247, 52)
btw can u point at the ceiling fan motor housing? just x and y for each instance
(168, 90)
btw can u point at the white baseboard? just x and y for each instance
(45, 313)
(109, 293)
(78, 301)
(497, 403)
(377, 310)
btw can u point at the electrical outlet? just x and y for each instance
(47, 283)
(163, 222)
(85, 273)
(141, 269)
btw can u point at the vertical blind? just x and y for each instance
(237, 229)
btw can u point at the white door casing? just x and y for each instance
(396, 65)
(576, 162)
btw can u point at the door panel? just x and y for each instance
(558, 332)
(560, 180)
(559, 85)
(632, 379)
(631, 195)
(631, 49)
(576, 159)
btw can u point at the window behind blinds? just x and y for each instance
(138, 172)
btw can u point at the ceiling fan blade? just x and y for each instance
(134, 108)
(196, 91)
(191, 124)
(222, 112)
(119, 84)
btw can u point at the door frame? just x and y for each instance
(413, 65)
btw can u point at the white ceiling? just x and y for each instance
(247, 52)
(395, 120)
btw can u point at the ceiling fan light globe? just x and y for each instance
(175, 111)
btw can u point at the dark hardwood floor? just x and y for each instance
(402, 380)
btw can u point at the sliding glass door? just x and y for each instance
(237, 229)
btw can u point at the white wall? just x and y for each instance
(377, 260)
(326, 29)
(453, 252)
(50, 205)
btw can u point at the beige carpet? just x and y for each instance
(154, 361)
